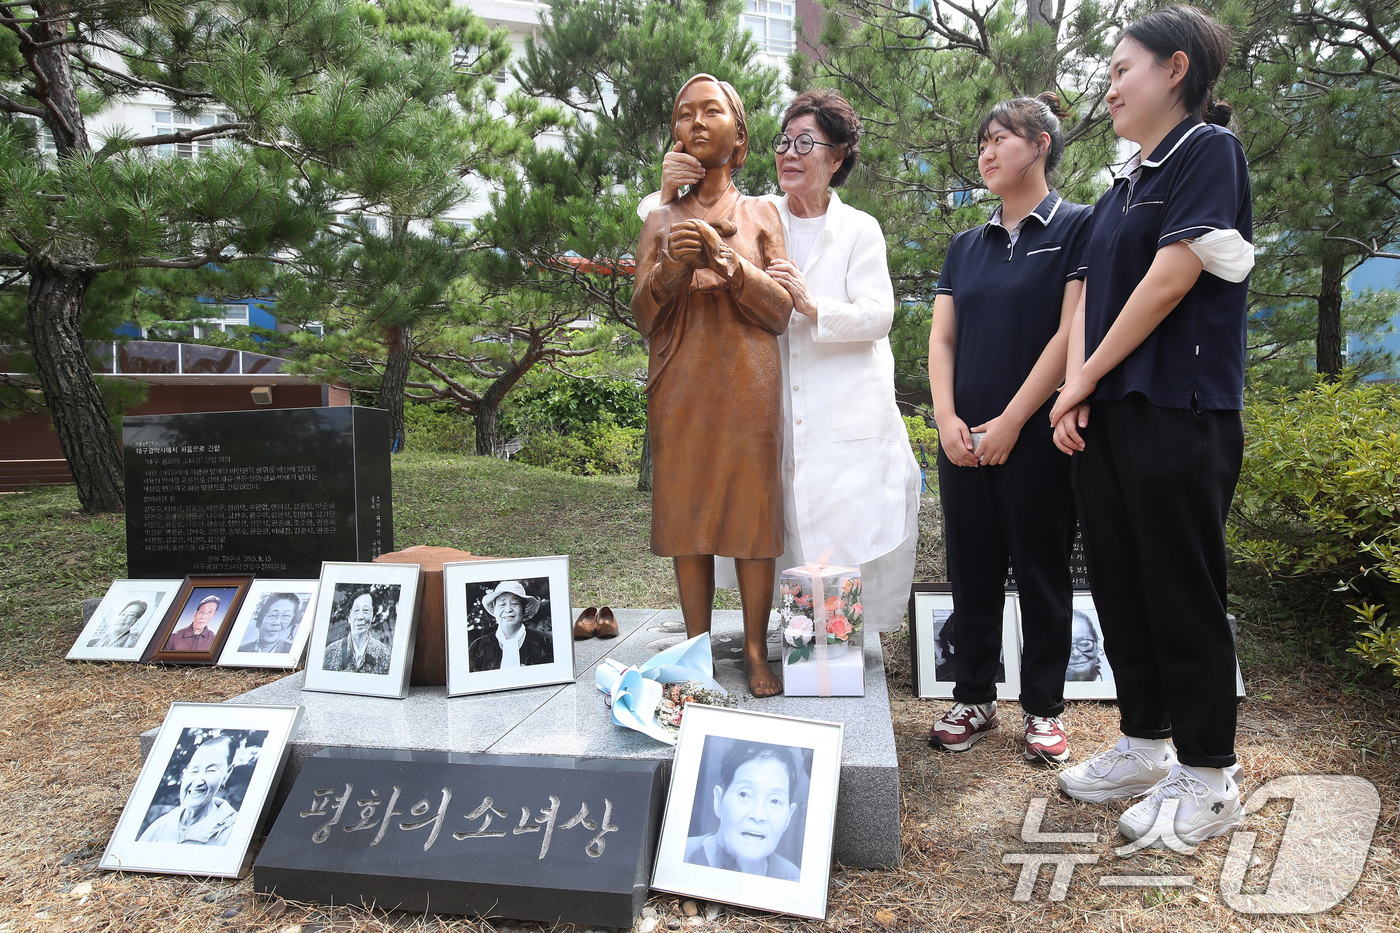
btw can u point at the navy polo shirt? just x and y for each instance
(1194, 182)
(1007, 299)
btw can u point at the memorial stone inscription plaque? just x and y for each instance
(560, 840)
(268, 492)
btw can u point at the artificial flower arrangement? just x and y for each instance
(676, 697)
(843, 613)
(651, 697)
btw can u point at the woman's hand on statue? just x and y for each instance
(678, 169)
(999, 436)
(790, 278)
(957, 442)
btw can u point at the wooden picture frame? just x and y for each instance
(182, 637)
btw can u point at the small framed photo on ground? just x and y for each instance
(363, 630)
(203, 790)
(1089, 676)
(508, 624)
(751, 810)
(125, 621)
(200, 618)
(273, 625)
(933, 642)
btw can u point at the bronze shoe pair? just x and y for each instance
(595, 622)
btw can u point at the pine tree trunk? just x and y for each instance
(644, 475)
(1329, 318)
(485, 417)
(85, 433)
(391, 389)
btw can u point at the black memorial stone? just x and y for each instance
(271, 492)
(559, 840)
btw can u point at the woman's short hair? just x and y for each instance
(743, 752)
(838, 121)
(736, 107)
(274, 598)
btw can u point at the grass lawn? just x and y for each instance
(69, 754)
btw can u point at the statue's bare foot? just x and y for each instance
(762, 681)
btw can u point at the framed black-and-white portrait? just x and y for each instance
(363, 629)
(1089, 676)
(509, 624)
(273, 625)
(751, 810)
(203, 790)
(933, 642)
(122, 626)
(197, 625)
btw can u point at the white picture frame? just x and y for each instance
(268, 599)
(1089, 664)
(930, 606)
(106, 637)
(786, 871)
(391, 615)
(546, 645)
(225, 759)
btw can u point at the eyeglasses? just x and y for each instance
(803, 144)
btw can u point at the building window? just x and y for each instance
(171, 121)
(43, 138)
(770, 21)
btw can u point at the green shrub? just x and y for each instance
(441, 429)
(1318, 503)
(603, 448)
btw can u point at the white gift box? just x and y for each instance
(845, 674)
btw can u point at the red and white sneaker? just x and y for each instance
(963, 725)
(1045, 739)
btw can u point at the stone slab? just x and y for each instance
(272, 492)
(438, 831)
(571, 719)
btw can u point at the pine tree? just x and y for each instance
(297, 87)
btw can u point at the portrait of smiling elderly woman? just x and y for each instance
(754, 801)
(124, 632)
(200, 633)
(511, 643)
(359, 652)
(202, 817)
(275, 627)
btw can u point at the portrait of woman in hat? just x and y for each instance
(511, 642)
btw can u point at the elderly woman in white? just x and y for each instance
(850, 481)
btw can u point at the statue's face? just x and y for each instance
(705, 125)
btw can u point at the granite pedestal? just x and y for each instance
(571, 719)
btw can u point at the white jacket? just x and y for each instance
(846, 456)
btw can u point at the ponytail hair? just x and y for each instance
(1206, 45)
(1028, 117)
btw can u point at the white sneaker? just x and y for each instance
(1115, 774)
(1201, 810)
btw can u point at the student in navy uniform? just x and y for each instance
(1001, 323)
(1158, 352)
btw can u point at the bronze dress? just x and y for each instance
(714, 386)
